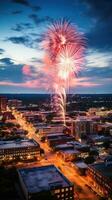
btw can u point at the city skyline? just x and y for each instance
(22, 25)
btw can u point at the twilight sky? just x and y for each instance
(22, 23)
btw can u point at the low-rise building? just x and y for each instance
(100, 177)
(54, 135)
(59, 140)
(14, 103)
(64, 146)
(45, 182)
(69, 154)
(19, 150)
(49, 129)
(81, 167)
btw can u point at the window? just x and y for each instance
(57, 191)
(62, 190)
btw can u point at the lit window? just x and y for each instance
(57, 191)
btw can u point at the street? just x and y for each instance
(80, 183)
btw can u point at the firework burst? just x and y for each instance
(60, 34)
(65, 49)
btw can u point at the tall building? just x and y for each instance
(82, 126)
(45, 182)
(3, 103)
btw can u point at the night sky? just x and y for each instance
(22, 23)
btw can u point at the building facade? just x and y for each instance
(3, 103)
(14, 103)
(81, 127)
(19, 150)
(100, 178)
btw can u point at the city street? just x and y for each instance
(80, 183)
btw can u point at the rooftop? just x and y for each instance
(104, 169)
(70, 151)
(65, 137)
(99, 137)
(43, 178)
(55, 134)
(81, 164)
(83, 118)
(64, 145)
(17, 144)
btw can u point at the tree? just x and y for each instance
(89, 160)
(106, 144)
(93, 153)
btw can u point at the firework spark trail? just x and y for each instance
(65, 48)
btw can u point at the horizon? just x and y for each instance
(54, 93)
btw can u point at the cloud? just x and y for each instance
(100, 34)
(37, 20)
(44, 85)
(26, 3)
(28, 84)
(25, 40)
(23, 2)
(36, 60)
(26, 70)
(99, 9)
(43, 78)
(83, 82)
(22, 26)
(2, 51)
(10, 70)
(100, 73)
(6, 61)
(98, 59)
(98, 66)
(36, 8)
(16, 12)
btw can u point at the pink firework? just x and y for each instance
(65, 49)
(59, 35)
(69, 60)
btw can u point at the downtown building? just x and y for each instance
(24, 149)
(59, 139)
(100, 177)
(82, 126)
(3, 103)
(14, 103)
(45, 182)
